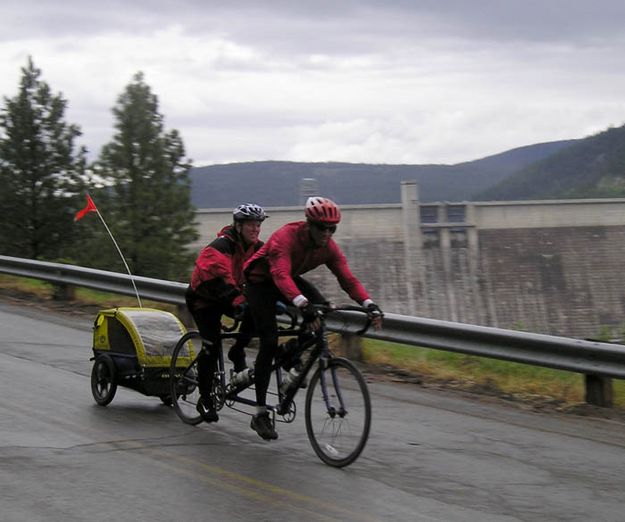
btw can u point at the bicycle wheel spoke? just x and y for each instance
(338, 413)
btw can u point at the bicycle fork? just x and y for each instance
(332, 410)
(324, 364)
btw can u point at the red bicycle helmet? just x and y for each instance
(322, 210)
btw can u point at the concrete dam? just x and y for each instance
(551, 267)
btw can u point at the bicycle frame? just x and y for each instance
(232, 395)
(320, 353)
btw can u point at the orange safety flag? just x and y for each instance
(89, 208)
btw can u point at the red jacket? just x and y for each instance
(290, 252)
(218, 272)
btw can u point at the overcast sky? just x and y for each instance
(388, 81)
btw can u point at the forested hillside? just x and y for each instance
(276, 183)
(592, 167)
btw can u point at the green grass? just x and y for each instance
(83, 296)
(107, 300)
(24, 284)
(468, 371)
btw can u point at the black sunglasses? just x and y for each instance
(322, 227)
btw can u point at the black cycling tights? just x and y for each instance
(208, 321)
(262, 298)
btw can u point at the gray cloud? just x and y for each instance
(364, 23)
(381, 81)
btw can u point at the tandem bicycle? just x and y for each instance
(337, 405)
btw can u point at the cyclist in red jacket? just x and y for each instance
(215, 289)
(274, 274)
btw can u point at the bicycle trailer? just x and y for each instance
(132, 347)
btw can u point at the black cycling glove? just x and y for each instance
(373, 310)
(309, 313)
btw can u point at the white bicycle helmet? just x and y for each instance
(249, 212)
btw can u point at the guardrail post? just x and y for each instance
(63, 292)
(599, 390)
(351, 346)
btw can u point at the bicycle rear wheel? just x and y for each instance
(338, 413)
(183, 378)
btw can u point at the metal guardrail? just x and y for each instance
(561, 353)
(60, 274)
(593, 359)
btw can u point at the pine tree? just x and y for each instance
(41, 171)
(150, 208)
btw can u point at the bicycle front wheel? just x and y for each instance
(338, 413)
(183, 378)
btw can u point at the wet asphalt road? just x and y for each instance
(432, 455)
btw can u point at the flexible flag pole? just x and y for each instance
(90, 207)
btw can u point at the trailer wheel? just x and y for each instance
(103, 385)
